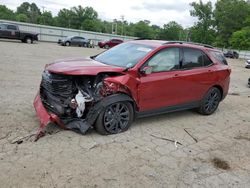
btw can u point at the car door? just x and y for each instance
(74, 41)
(12, 32)
(114, 42)
(162, 87)
(197, 74)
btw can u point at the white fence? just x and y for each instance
(52, 34)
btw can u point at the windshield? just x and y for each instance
(124, 55)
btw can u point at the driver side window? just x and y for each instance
(165, 60)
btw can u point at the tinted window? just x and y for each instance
(194, 58)
(206, 60)
(12, 27)
(219, 56)
(165, 60)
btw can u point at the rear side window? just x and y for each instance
(194, 58)
(12, 27)
(219, 57)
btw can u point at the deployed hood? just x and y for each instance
(81, 66)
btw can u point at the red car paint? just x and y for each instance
(110, 43)
(147, 91)
(84, 66)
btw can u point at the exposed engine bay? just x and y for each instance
(73, 98)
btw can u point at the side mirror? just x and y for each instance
(146, 70)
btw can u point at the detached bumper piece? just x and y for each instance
(78, 125)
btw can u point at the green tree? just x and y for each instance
(241, 39)
(229, 16)
(46, 18)
(171, 31)
(22, 17)
(202, 31)
(30, 10)
(6, 13)
(142, 29)
(64, 18)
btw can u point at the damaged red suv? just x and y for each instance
(134, 79)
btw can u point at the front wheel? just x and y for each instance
(67, 43)
(210, 102)
(115, 118)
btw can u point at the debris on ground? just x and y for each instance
(221, 164)
(174, 141)
(21, 139)
(234, 93)
(191, 135)
(242, 138)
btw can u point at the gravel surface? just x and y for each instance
(136, 158)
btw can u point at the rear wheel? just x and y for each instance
(115, 118)
(210, 102)
(28, 40)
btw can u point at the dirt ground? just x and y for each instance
(136, 158)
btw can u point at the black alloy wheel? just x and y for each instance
(115, 118)
(211, 101)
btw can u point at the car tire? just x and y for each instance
(28, 40)
(106, 46)
(67, 43)
(115, 118)
(210, 102)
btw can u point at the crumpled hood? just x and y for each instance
(80, 66)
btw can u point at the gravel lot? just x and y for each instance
(136, 158)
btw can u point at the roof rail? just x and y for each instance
(185, 42)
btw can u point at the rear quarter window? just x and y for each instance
(219, 57)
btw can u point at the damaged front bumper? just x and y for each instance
(45, 118)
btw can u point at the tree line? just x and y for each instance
(227, 24)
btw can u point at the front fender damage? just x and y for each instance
(78, 109)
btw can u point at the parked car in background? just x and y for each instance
(248, 63)
(11, 31)
(134, 79)
(249, 82)
(110, 43)
(232, 54)
(74, 41)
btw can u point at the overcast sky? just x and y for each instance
(157, 12)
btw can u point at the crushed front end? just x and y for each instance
(70, 101)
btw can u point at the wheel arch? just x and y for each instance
(106, 101)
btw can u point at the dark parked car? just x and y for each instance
(110, 43)
(134, 79)
(11, 31)
(74, 41)
(232, 54)
(248, 63)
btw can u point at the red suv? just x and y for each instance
(110, 43)
(135, 79)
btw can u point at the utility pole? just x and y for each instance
(114, 27)
(122, 18)
(43, 7)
